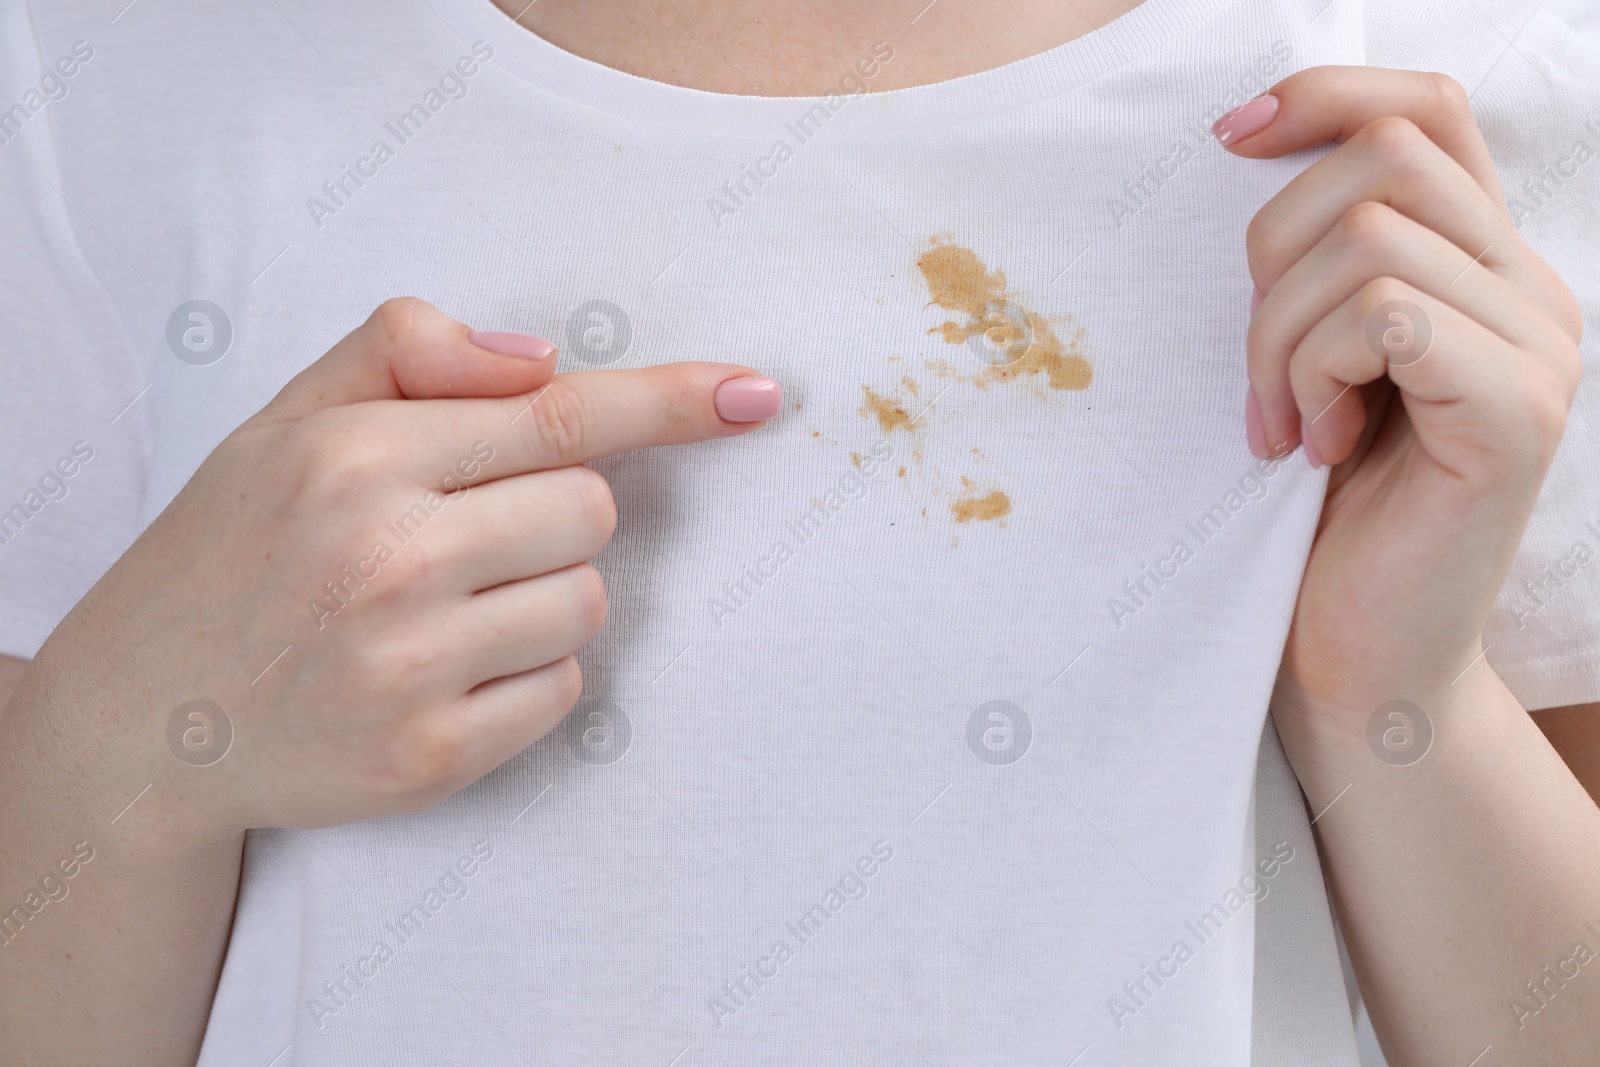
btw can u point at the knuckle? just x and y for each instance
(1566, 312)
(596, 504)
(1395, 142)
(422, 760)
(397, 318)
(311, 482)
(559, 423)
(1259, 229)
(345, 449)
(589, 589)
(380, 668)
(1379, 291)
(1568, 369)
(1367, 227)
(1266, 240)
(566, 682)
(410, 567)
(1546, 404)
(1449, 94)
(304, 476)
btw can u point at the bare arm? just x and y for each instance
(99, 898)
(11, 672)
(119, 849)
(1461, 878)
(1410, 338)
(121, 825)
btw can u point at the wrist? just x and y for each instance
(1369, 729)
(84, 739)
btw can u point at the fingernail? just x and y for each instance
(1255, 430)
(1245, 120)
(1310, 445)
(1256, 297)
(747, 399)
(524, 345)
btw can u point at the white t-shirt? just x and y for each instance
(925, 724)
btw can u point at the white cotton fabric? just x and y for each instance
(782, 733)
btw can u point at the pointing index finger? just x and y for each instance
(582, 416)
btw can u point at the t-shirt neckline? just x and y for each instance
(959, 100)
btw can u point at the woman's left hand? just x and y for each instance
(1411, 339)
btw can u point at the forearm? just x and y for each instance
(114, 909)
(1461, 878)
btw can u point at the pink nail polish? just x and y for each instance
(1245, 120)
(1255, 429)
(1256, 297)
(523, 345)
(747, 399)
(1307, 442)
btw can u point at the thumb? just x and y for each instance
(410, 350)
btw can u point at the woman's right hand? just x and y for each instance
(381, 577)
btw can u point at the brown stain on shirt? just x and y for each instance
(959, 281)
(891, 414)
(986, 507)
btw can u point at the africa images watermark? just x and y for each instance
(199, 732)
(1537, 594)
(850, 487)
(351, 978)
(342, 589)
(1551, 980)
(597, 731)
(1137, 193)
(338, 191)
(51, 486)
(1140, 990)
(54, 84)
(1140, 591)
(53, 888)
(753, 978)
(1536, 192)
(1399, 733)
(999, 732)
(742, 187)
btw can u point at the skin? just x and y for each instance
(1459, 877)
(455, 656)
(433, 678)
(800, 47)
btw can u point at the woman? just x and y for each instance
(925, 723)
